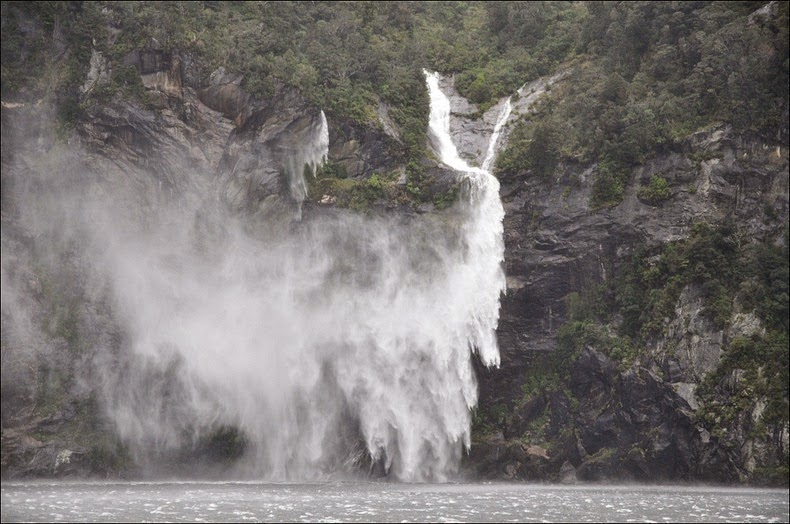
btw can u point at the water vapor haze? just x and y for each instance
(348, 326)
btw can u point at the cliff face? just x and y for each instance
(557, 245)
(640, 416)
(143, 163)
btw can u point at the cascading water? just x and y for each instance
(345, 333)
(500, 122)
(309, 154)
(485, 229)
(439, 127)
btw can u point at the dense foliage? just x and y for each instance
(729, 272)
(625, 317)
(644, 75)
(647, 75)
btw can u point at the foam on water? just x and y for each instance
(390, 502)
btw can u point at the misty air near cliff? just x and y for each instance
(427, 242)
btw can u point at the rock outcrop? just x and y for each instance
(642, 423)
(182, 141)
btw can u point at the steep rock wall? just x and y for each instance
(557, 247)
(611, 423)
(147, 160)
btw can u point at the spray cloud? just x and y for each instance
(346, 326)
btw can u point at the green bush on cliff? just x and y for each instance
(609, 185)
(765, 285)
(534, 148)
(648, 290)
(357, 194)
(713, 261)
(753, 370)
(746, 396)
(655, 192)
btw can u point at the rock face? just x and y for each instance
(361, 151)
(605, 422)
(471, 131)
(186, 141)
(556, 244)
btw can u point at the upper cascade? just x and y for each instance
(440, 129)
(500, 123)
(484, 229)
(440, 126)
(311, 153)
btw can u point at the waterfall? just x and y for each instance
(439, 127)
(500, 122)
(485, 229)
(347, 332)
(309, 154)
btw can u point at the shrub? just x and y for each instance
(655, 192)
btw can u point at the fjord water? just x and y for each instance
(384, 502)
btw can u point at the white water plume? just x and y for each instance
(500, 122)
(308, 154)
(344, 328)
(351, 322)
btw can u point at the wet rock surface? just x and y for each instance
(605, 423)
(632, 424)
(187, 141)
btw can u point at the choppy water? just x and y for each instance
(384, 502)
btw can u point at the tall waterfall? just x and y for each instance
(341, 337)
(485, 229)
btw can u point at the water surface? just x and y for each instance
(384, 502)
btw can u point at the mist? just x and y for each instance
(336, 338)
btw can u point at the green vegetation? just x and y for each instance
(754, 369)
(655, 192)
(750, 389)
(631, 310)
(447, 198)
(648, 291)
(357, 194)
(487, 423)
(642, 75)
(763, 364)
(363, 194)
(534, 148)
(648, 74)
(765, 284)
(507, 44)
(344, 57)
